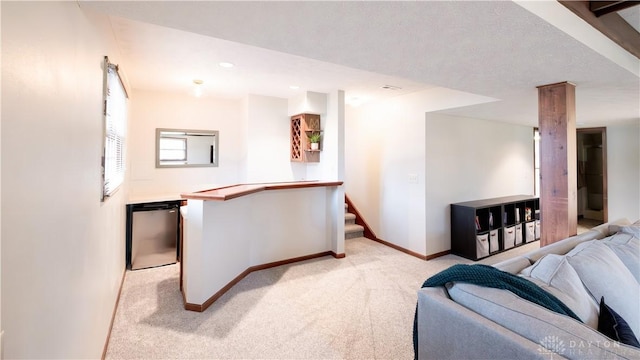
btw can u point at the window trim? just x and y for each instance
(113, 133)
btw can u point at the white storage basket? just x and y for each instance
(482, 246)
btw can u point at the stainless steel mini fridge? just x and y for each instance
(154, 235)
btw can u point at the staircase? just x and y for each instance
(351, 229)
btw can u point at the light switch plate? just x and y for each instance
(413, 178)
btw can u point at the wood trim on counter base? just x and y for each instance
(437, 255)
(202, 307)
(113, 316)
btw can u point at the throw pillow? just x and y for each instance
(555, 275)
(604, 274)
(614, 326)
(627, 248)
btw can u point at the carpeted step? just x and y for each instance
(353, 231)
(349, 218)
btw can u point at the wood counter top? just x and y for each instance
(233, 191)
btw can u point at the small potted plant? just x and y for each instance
(314, 139)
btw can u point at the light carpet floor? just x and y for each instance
(358, 307)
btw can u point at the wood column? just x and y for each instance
(558, 162)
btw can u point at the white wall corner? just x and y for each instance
(623, 171)
(316, 103)
(308, 103)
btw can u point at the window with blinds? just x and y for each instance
(115, 125)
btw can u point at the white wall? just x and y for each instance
(472, 159)
(62, 249)
(332, 125)
(268, 152)
(384, 145)
(331, 165)
(151, 110)
(387, 165)
(253, 146)
(309, 102)
(623, 171)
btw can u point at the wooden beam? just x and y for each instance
(599, 8)
(558, 162)
(612, 25)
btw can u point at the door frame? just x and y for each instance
(605, 191)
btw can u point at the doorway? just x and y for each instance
(592, 177)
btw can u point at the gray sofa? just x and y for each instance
(464, 321)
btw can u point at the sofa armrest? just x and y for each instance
(514, 265)
(447, 330)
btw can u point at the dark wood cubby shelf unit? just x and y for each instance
(486, 227)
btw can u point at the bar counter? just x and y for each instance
(231, 231)
(234, 191)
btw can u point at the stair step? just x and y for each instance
(353, 231)
(349, 218)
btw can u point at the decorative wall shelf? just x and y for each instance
(303, 125)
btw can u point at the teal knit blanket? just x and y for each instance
(489, 276)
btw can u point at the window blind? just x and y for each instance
(115, 121)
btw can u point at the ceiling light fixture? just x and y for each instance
(355, 101)
(294, 87)
(226, 64)
(391, 87)
(197, 90)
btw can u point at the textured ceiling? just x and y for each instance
(494, 49)
(165, 59)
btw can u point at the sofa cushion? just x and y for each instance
(604, 274)
(555, 333)
(564, 246)
(554, 274)
(610, 228)
(442, 324)
(633, 229)
(627, 248)
(630, 229)
(615, 327)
